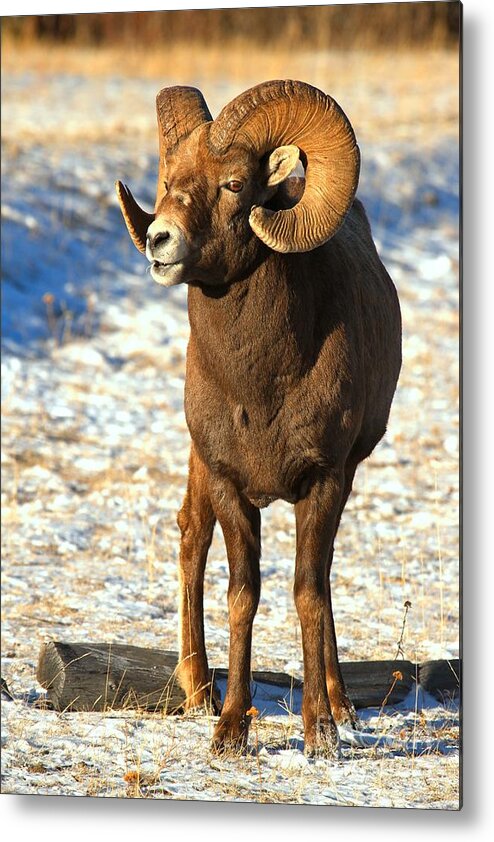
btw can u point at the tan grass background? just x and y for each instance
(415, 24)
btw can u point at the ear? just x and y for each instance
(280, 164)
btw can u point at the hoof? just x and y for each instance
(230, 736)
(324, 741)
(207, 699)
(344, 713)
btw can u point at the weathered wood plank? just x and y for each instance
(100, 676)
(370, 683)
(440, 678)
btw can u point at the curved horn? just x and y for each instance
(283, 113)
(136, 219)
(180, 110)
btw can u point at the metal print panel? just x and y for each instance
(254, 338)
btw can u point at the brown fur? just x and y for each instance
(291, 368)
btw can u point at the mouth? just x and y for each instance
(167, 274)
(161, 268)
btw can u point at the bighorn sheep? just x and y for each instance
(292, 362)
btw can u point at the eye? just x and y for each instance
(235, 186)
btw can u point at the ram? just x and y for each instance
(292, 362)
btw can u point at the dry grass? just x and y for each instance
(414, 81)
(143, 777)
(213, 61)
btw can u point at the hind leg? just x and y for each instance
(342, 708)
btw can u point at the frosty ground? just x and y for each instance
(94, 464)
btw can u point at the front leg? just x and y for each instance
(317, 518)
(342, 708)
(241, 525)
(196, 521)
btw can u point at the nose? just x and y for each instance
(154, 240)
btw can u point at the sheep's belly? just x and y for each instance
(266, 459)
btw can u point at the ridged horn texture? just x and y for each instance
(281, 113)
(136, 219)
(179, 110)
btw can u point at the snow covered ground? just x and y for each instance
(94, 462)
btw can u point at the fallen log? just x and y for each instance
(440, 678)
(105, 676)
